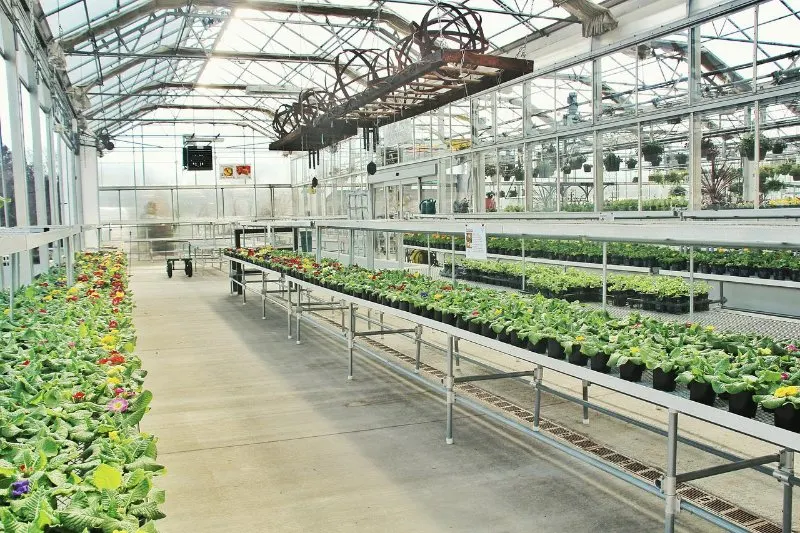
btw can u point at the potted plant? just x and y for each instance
(794, 172)
(747, 146)
(785, 401)
(566, 169)
(630, 362)
(587, 167)
(778, 146)
(682, 158)
(513, 192)
(631, 163)
(577, 161)
(708, 149)
(651, 152)
(611, 162)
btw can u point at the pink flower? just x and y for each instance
(71, 344)
(118, 405)
(784, 376)
(791, 348)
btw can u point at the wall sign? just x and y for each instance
(235, 171)
(475, 241)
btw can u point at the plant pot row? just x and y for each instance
(779, 273)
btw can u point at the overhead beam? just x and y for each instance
(124, 18)
(151, 87)
(152, 107)
(165, 52)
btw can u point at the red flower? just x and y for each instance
(117, 275)
(113, 324)
(784, 376)
(72, 298)
(116, 301)
(103, 361)
(83, 277)
(117, 360)
(45, 284)
(115, 310)
(251, 252)
(26, 362)
(78, 396)
(475, 313)
(43, 311)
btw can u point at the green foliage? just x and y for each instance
(65, 355)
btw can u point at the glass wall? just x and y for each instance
(623, 122)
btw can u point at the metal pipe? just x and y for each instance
(537, 404)
(691, 284)
(351, 341)
(605, 274)
(488, 377)
(453, 264)
(418, 342)
(299, 310)
(456, 351)
(382, 331)
(786, 470)
(728, 467)
(670, 485)
(585, 387)
(450, 398)
(289, 306)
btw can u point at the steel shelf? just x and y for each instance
(672, 402)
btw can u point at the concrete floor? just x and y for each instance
(259, 434)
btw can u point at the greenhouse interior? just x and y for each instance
(399, 265)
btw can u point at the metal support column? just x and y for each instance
(418, 341)
(299, 310)
(537, 402)
(605, 274)
(428, 252)
(524, 271)
(453, 264)
(70, 249)
(289, 306)
(671, 505)
(457, 351)
(585, 385)
(351, 337)
(451, 396)
(691, 284)
(784, 475)
(244, 285)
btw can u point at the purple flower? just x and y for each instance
(118, 405)
(20, 487)
(423, 294)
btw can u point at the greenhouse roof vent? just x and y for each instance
(596, 19)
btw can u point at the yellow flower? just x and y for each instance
(120, 531)
(47, 298)
(783, 392)
(108, 339)
(438, 296)
(7, 311)
(709, 328)
(634, 349)
(764, 351)
(113, 435)
(113, 370)
(72, 291)
(120, 294)
(416, 274)
(497, 311)
(113, 381)
(580, 338)
(530, 310)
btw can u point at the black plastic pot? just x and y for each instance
(631, 371)
(486, 330)
(474, 327)
(664, 380)
(438, 315)
(461, 323)
(742, 404)
(514, 339)
(554, 349)
(787, 417)
(427, 312)
(404, 306)
(702, 393)
(412, 308)
(539, 347)
(448, 318)
(503, 336)
(599, 363)
(576, 357)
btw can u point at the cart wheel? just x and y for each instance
(169, 269)
(188, 268)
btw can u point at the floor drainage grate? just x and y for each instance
(741, 516)
(698, 497)
(768, 527)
